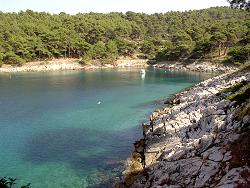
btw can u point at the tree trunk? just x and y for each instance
(219, 49)
(225, 51)
(69, 52)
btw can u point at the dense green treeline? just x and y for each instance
(27, 36)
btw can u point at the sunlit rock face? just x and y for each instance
(196, 140)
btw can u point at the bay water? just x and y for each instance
(75, 128)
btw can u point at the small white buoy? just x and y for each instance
(99, 102)
(143, 71)
(143, 76)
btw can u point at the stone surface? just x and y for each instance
(189, 143)
(197, 66)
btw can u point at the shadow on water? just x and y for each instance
(65, 145)
(150, 105)
(82, 150)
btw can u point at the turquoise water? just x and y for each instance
(74, 128)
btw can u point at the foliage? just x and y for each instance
(27, 36)
(240, 54)
(245, 67)
(12, 58)
(10, 182)
(242, 95)
(235, 87)
(244, 110)
(1, 58)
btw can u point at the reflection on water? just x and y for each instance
(143, 76)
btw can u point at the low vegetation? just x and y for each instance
(241, 95)
(10, 183)
(235, 87)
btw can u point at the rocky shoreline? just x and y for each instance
(69, 64)
(196, 66)
(199, 139)
(73, 64)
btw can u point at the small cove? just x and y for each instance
(74, 128)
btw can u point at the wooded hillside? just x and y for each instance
(27, 36)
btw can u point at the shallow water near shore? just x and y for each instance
(74, 128)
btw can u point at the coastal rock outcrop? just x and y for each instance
(196, 66)
(198, 139)
(69, 64)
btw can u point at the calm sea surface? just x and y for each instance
(73, 128)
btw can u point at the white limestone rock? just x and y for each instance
(189, 145)
(206, 172)
(223, 104)
(246, 119)
(227, 156)
(234, 178)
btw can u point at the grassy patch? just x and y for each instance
(235, 88)
(243, 111)
(232, 90)
(241, 96)
(245, 67)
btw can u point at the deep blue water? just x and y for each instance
(53, 132)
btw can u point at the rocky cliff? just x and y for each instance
(199, 139)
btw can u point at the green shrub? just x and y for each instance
(245, 67)
(12, 58)
(232, 89)
(240, 54)
(1, 59)
(241, 96)
(10, 182)
(236, 87)
(244, 110)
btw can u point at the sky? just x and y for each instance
(105, 6)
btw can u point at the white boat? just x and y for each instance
(143, 71)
